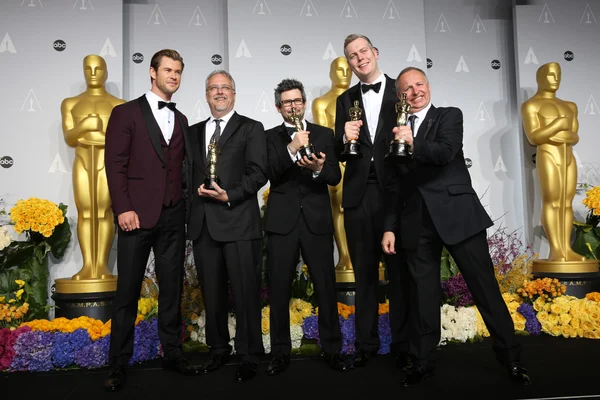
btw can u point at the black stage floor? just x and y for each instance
(560, 369)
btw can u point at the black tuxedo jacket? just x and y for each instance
(357, 171)
(437, 175)
(135, 165)
(241, 166)
(293, 188)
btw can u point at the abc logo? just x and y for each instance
(429, 63)
(6, 162)
(495, 64)
(468, 162)
(216, 59)
(285, 49)
(137, 58)
(569, 56)
(533, 156)
(59, 45)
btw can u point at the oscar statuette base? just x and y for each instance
(91, 298)
(580, 277)
(345, 285)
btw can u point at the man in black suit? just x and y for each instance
(363, 198)
(225, 226)
(146, 144)
(299, 221)
(439, 207)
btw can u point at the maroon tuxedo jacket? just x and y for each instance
(137, 165)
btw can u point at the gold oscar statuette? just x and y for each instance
(551, 124)
(399, 150)
(307, 150)
(84, 121)
(323, 111)
(211, 169)
(352, 147)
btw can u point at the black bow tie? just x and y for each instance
(365, 88)
(170, 106)
(290, 131)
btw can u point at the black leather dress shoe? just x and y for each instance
(361, 358)
(519, 374)
(416, 375)
(336, 362)
(215, 361)
(181, 366)
(245, 372)
(404, 362)
(116, 378)
(278, 364)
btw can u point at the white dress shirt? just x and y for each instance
(210, 128)
(165, 118)
(372, 105)
(420, 117)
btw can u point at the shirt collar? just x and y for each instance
(381, 79)
(153, 100)
(421, 114)
(224, 119)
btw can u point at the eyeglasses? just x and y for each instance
(297, 102)
(222, 88)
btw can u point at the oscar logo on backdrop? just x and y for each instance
(84, 119)
(551, 124)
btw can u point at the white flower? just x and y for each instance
(194, 336)
(5, 238)
(296, 335)
(266, 339)
(201, 321)
(459, 324)
(231, 325)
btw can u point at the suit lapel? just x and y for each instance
(186, 136)
(355, 95)
(230, 128)
(427, 122)
(152, 126)
(202, 140)
(389, 98)
(287, 139)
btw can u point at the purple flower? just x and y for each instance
(385, 333)
(145, 342)
(347, 327)
(310, 327)
(33, 351)
(63, 353)
(455, 292)
(532, 325)
(94, 355)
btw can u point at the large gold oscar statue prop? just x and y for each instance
(323, 111)
(84, 121)
(551, 124)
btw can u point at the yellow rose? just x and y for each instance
(20, 282)
(538, 304)
(566, 331)
(265, 325)
(555, 330)
(552, 319)
(565, 319)
(575, 322)
(519, 326)
(542, 316)
(555, 308)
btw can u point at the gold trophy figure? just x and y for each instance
(307, 150)
(84, 121)
(211, 170)
(551, 124)
(323, 111)
(352, 147)
(399, 150)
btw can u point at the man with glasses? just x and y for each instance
(224, 225)
(299, 221)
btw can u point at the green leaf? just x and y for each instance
(60, 238)
(585, 237)
(16, 254)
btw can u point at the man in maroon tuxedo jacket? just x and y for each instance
(224, 224)
(147, 145)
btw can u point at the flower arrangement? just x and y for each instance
(47, 231)
(455, 292)
(592, 203)
(569, 316)
(546, 288)
(457, 324)
(14, 309)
